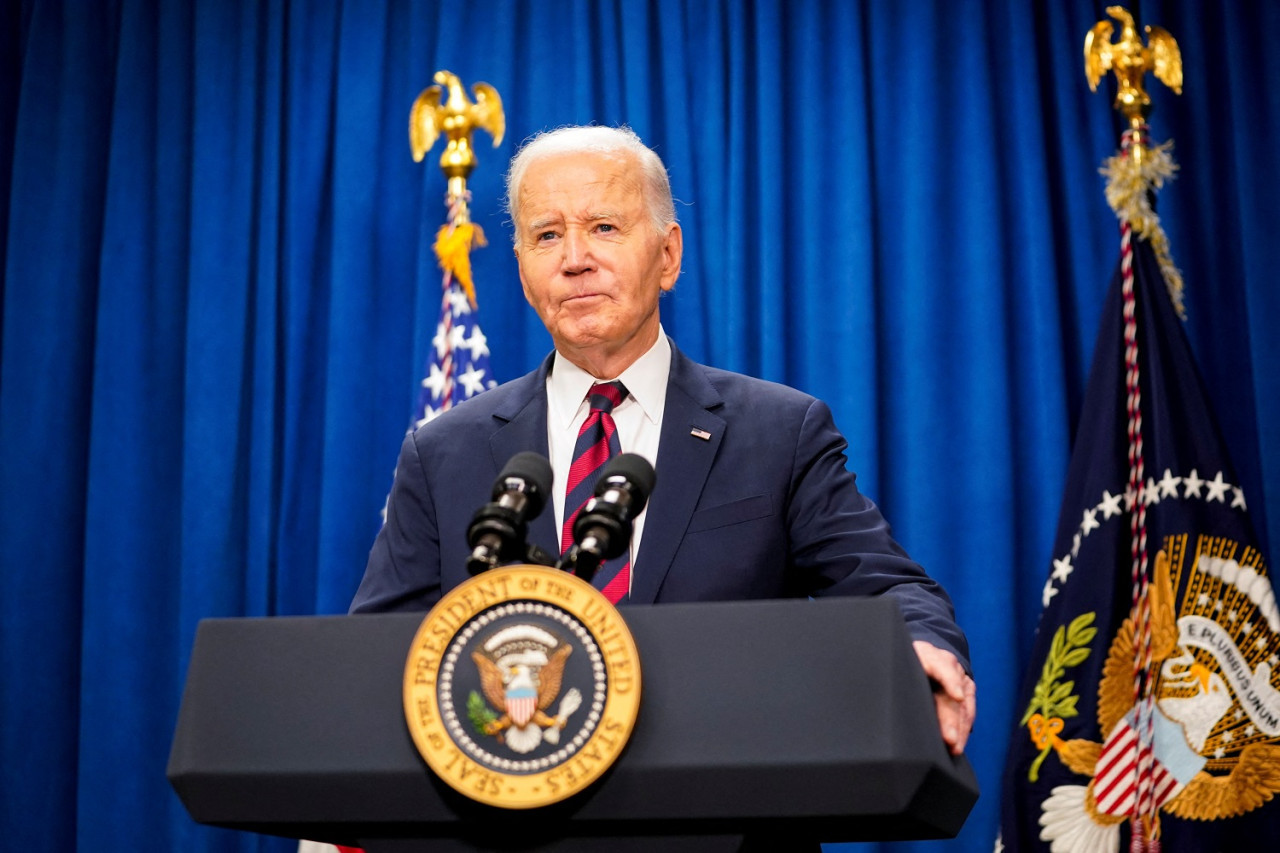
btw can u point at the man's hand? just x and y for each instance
(954, 693)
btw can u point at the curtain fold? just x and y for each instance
(219, 292)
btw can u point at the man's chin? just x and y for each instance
(588, 330)
(580, 341)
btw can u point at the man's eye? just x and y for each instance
(545, 235)
(605, 227)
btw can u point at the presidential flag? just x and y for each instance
(1149, 715)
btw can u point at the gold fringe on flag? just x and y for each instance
(1132, 183)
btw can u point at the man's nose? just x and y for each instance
(577, 253)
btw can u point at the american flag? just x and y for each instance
(458, 367)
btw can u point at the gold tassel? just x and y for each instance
(453, 249)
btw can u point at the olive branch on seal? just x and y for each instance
(479, 713)
(1052, 701)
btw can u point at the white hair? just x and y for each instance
(602, 140)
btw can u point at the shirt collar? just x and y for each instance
(646, 381)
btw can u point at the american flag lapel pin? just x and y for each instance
(700, 433)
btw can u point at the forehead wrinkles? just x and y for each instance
(554, 193)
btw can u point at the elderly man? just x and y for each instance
(753, 499)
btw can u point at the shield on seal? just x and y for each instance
(521, 702)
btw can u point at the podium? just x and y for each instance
(783, 723)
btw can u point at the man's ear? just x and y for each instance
(672, 254)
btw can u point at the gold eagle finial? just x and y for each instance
(1130, 60)
(457, 118)
(1139, 169)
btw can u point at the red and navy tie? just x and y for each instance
(597, 444)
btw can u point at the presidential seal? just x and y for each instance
(521, 687)
(1214, 722)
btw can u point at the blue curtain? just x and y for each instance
(219, 291)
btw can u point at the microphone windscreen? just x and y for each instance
(535, 470)
(635, 468)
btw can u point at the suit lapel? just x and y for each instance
(691, 436)
(520, 425)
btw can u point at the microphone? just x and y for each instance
(497, 531)
(602, 529)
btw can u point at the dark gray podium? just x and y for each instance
(787, 722)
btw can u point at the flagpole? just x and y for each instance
(1134, 176)
(444, 109)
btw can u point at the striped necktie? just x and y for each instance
(597, 444)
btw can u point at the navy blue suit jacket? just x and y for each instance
(764, 508)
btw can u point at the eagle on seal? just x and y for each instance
(523, 685)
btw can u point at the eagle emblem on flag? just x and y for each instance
(521, 668)
(1214, 725)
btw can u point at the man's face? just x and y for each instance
(591, 263)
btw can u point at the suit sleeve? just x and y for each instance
(842, 545)
(403, 572)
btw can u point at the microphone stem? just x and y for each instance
(587, 556)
